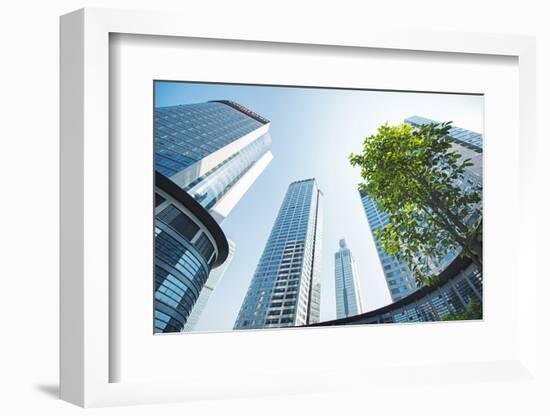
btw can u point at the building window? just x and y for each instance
(204, 246)
(179, 222)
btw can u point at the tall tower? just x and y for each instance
(214, 151)
(348, 291)
(469, 145)
(399, 278)
(285, 290)
(207, 155)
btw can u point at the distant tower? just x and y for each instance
(285, 289)
(348, 291)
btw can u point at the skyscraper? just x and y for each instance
(469, 145)
(207, 155)
(214, 151)
(399, 278)
(348, 291)
(466, 138)
(285, 289)
(207, 290)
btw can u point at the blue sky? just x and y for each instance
(313, 132)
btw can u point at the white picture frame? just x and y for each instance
(85, 352)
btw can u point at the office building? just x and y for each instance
(399, 278)
(458, 285)
(207, 155)
(285, 289)
(468, 143)
(214, 151)
(211, 283)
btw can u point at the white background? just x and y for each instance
(29, 175)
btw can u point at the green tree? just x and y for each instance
(473, 310)
(413, 174)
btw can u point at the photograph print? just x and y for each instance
(302, 207)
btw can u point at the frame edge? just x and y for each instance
(71, 201)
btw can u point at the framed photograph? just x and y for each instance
(275, 214)
(264, 210)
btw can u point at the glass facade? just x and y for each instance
(399, 278)
(204, 150)
(430, 303)
(285, 289)
(348, 291)
(469, 144)
(185, 134)
(184, 254)
(212, 186)
(209, 286)
(466, 138)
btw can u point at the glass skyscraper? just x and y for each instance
(213, 151)
(348, 291)
(285, 289)
(470, 146)
(206, 157)
(399, 278)
(465, 138)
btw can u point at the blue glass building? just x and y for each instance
(463, 137)
(399, 278)
(468, 143)
(459, 284)
(285, 289)
(206, 157)
(348, 290)
(207, 290)
(186, 134)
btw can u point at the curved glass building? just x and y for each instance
(460, 283)
(215, 276)
(188, 244)
(207, 155)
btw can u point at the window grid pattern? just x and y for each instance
(398, 276)
(467, 138)
(453, 296)
(348, 292)
(213, 279)
(180, 273)
(185, 134)
(284, 290)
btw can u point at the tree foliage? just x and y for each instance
(474, 310)
(414, 175)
